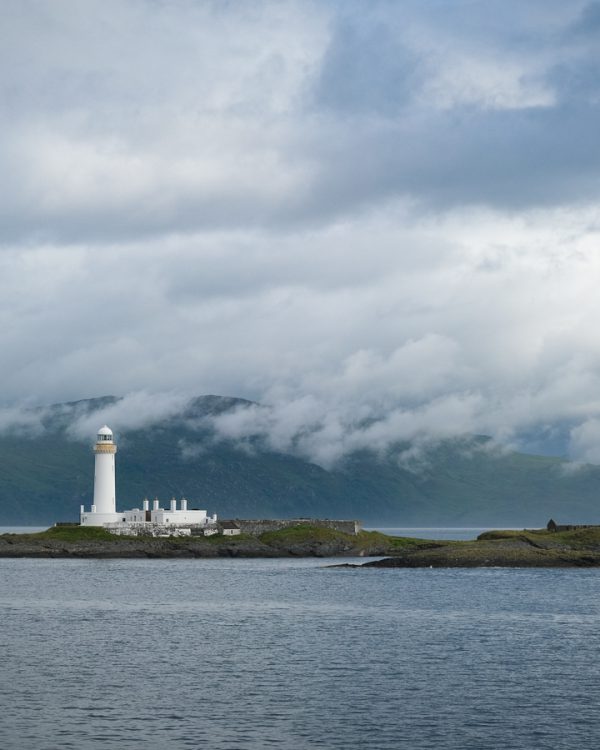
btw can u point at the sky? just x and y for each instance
(379, 218)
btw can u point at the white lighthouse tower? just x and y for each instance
(104, 474)
(104, 508)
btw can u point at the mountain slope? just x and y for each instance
(46, 476)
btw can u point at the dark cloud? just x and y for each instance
(132, 120)
(367, 68)
(588, 22)
(510, 159)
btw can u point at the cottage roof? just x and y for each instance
(229, 525)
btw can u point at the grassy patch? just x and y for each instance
(73, 534)
(364, 541)
(574, 538)
(302, 534)
(371, 540)
(500, 534)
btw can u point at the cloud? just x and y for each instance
(144, 119)
(325, 435)
(21, 420)
(367, 317)
(588, 22)
(379, 219)
(367, 67)
(134, 411)
(585, 441)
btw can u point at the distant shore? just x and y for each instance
(528, 548)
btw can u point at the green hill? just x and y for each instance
(46, 476)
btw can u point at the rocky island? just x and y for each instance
(573, 547)
(295, 541)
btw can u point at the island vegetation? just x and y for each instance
(297, 541)
(578, 547)
(536, 548)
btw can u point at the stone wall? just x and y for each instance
(258, 527)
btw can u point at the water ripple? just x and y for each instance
(285, 654)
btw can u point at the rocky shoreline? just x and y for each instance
(96, 543)
(506, 549)
(529, 548)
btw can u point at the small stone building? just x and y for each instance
(553, 526)
(230, 528)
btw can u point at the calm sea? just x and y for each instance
(234, 654)
(432, 532)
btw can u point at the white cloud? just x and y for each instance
(134, 411)
(21, 420)
(492, 83)
(585, 442)
(316, 431)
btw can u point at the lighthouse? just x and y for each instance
(104, 474)
(104, 507)
(172, 521)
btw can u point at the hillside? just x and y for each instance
(46, 476)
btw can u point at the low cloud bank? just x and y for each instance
(81, 419)
(313, 428)
(307, 428)
(134, 411)
(21, 420)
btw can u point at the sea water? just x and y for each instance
(236, 654)
(432, 532)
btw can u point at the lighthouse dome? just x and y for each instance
(105, 434)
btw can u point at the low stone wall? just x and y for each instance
(258, 527)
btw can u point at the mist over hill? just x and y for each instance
(48, 466)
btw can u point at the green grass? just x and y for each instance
(573, 537)
(301, 534)
(364, 541)
(72, 534)
(78, 534)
